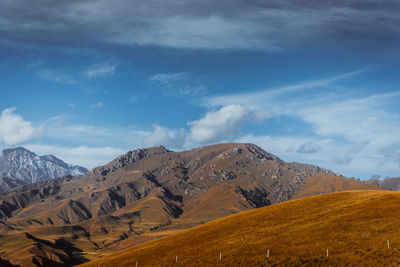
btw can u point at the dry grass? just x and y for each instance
(353, 225)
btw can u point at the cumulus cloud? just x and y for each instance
(163, 136)
(218, 125)
(14, 129)
(100, 70)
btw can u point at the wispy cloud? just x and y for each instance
(258, 99)
(180, 84)
(358, 125)
(97, 105)
(167, 78)
(237, 24)
(54, 76)
(60, 130)
(100, 70)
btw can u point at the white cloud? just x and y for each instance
(88, 157)
(100, 70)
(218, 125)
(163, 136)
(14, 129)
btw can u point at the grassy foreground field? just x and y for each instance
(353, 226)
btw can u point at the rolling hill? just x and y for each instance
(354, 226)
(146, 194)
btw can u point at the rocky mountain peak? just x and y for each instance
(27, 166)
(18, 151)
(261, 153)
(128, 158)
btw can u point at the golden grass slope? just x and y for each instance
(354, 226)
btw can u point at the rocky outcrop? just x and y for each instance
(7, 183)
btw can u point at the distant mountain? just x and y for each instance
(148, 193)
(390, 183)
(25, 165)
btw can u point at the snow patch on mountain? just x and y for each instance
(31, 168)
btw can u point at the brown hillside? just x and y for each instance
(353, 226)
(150, 193)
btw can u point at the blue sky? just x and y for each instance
(310, 81)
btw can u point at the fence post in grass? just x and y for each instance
(388, 245)
(136, 263)
(327, 253)
(268, 253)
(176, 259)
(220, 256)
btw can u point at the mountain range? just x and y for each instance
(149, 193)
(389, 183)
(19, 165)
